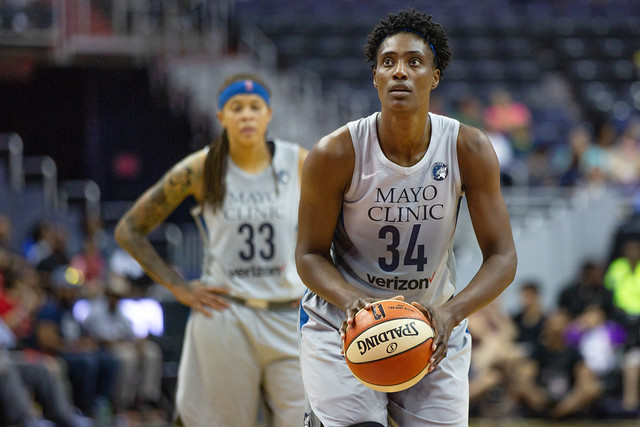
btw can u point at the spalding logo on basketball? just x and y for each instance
(389, 347)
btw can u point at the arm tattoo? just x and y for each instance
(162, 200)
(182, 178)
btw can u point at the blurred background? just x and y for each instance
(98, 98)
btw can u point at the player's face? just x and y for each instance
(246, 118)
(404, 73)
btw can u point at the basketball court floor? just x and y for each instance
(547, 423)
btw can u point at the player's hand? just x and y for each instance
(442, 324)
(201, 298)
(354, 308)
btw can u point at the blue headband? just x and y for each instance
(242, 87)
(409, 30)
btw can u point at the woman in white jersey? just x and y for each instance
(378, 209)
(241, 338)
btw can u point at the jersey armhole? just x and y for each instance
(356, 135)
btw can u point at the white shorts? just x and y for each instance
(226, 362)
(337, 398)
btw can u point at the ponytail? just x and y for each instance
(215, 170)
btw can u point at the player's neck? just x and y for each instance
(404, 138)
(254, 159)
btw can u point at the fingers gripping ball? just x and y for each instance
(389, 347)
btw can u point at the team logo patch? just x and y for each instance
(439, 171)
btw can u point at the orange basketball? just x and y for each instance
(389, 347)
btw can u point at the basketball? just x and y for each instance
(389, 347)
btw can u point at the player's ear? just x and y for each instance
(436, 79)
(375, 83)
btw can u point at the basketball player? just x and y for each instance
(378, 209)
(242, 336)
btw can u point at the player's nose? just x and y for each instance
(400, 70)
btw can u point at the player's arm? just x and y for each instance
(481, 182)
(326, 176)
(150, 210)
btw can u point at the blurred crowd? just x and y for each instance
(581, 153)
(577, 359)
(68, 366)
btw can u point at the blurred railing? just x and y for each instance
(140, 29)
(556, 229)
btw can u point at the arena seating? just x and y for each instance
(589, 44)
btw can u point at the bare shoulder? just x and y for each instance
(193, 162)
(472, 140)
(331, 159)
(186, 176)
(335, 148)
(476, 156)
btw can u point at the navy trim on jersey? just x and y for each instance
(304, 317)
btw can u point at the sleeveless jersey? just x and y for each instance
(396, 229)
(250, 240)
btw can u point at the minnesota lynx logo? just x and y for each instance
(439, 171)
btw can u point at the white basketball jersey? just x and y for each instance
(251, 239)
(396, 229)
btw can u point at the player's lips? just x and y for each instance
(247, 129)
(399, 88)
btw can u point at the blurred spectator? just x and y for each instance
(20, 299)
(26, 380)
(600, 342)
(506, 124)
(586, 291)
(494, 360)
(605, 134)
(596, 338)
(504, 152)
(579, 161)
(623, 279)
(38, 246)
(6, 231)
(139, 382)
(530, 317)
(511, 119)
(92, 371)
(91, 263)
(470, 111)
(624, 155)
(555, 382)
(504, 114)
(57, 256)
(93, 229)
(537, 167)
